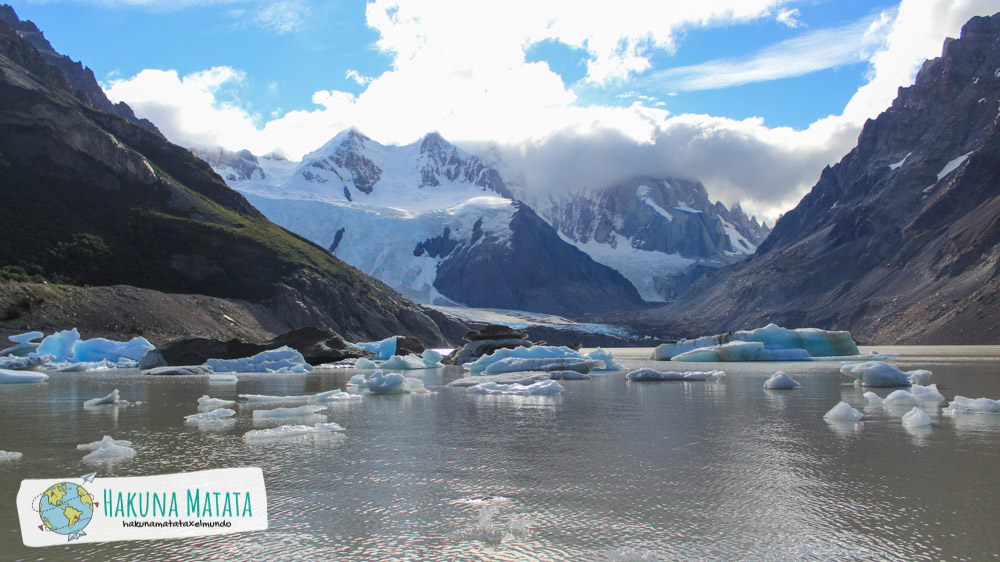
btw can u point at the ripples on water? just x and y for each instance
(609, 470)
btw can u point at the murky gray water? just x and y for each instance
(700, 470)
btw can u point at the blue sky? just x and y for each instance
(780, 87)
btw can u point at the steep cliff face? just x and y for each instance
(898, 242)
(662, 234)
(94, 199)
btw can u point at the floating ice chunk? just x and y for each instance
(357, 380)
(873, 399)
(781, 380)
(59, 344)
(17, 377)
(877, 373)
(110, 450)
(919, 376)
(385, 383)
(843, 411)
(99, 349)
(26, 337)
(223, 377)
(299, 411)
(742, 351)
(409, 362)
(654, 375)
(24, 344)
(567, 375)
(206, 401)
(383, 349)
(286, 431)
(364, 363)
(815, 342)
(219, 414)
(106, 441)
(9, 456)
(516, 364)
(609, 360)
(963, 405)
(901, 398)
(24, 363)
(328, 396)
(111, 399)
(534, 352)
(80, 367)
(216, 425)
(927, 393)
(502, 378)
(541, 388)
(433, 357)
(281, 360)
(915, 418)
(185, 370)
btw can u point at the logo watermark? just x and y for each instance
(93, 509)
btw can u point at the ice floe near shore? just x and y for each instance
(65, 352)
(542, 357)
(654, 375)
(281, 360)
(781, 344)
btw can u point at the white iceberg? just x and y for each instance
(99, 349)
(927, 393)
(515, 364)
(873, 399)
(205, 401)
(221, 413)
(285, 431)
(877, 373)
(409, 362)
(502, 378)
(107, 449)
(186, 370)
(356, 380)
(654, 375)
(742, 351)
(567, 375)
(334, 395)
(59, 344)
(296, 412)
(534, 352)
(815, 342)
(9, 456)
(608, 358)
(281, 360)
(542, 388)
(365, 363)
(843, 411)
(111, 399)
(393, 383)
(80, 367)
(18, 377)
(901, 398)
(916, 418)
(24, 344)
(107, 441)
(223, 377)
(963, 405)
(781, 380)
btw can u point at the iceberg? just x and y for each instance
(328, 396)
(393, 383)
(815, 342)
(291, 430)
(99, 349)
(383, 349)
(963, 405)
(59, 345)
(107, 441)
(873, 399)
(110, 450)
(927, 393)
(877, 373)
(24, 344)
(533, 352)
(184, 370)
(296, 412)
(26, 337)
(111, 399)
(222, 377)
(566, 375)
(221, 413)
(9, 456)
(541, 388)
(901, 398)
(72, 367)
(207, 402)
(781, 381)
(503, 378)
(915, 418)
(654, 375)
(18, 377)
(515, 364)
(608, 358)
(410, 362)
(742, 351)
(843, 411)
(15, 363)
(363, 363)
(281, 360)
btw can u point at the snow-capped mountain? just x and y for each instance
(661, 234)
(430, 220)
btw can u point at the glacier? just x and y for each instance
(777, 341)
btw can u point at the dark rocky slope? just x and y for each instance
(898, 242)
(91, 198)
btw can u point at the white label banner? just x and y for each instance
(168, 506)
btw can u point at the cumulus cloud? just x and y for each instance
(471, 83)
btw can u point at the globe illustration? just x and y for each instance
(66, 508)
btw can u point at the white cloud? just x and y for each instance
(352, 74)
(789, 17)
(819, 50)
(281, 17)
(468, 80)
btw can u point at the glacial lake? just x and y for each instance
(610, 469)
